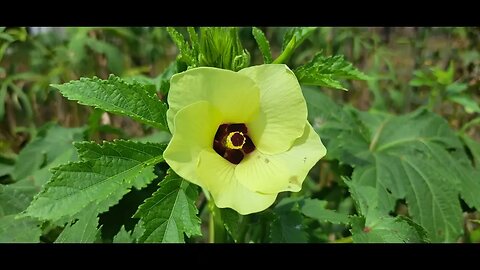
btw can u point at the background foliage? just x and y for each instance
(403, 161)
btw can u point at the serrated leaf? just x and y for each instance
(143, 179)
(288, 228)
(331, 121)
(314, 208)
(170, 212)
(23, 230)
(84, 230)
(263, 45)
(231, 221)
(414, 163)
(123, 236)
(194, 40)
(375, 226)
(107, 170)
(416, 157)
(45, 149)
(117, 96)
(186, 54)
(328, 71)
(137, 232)
(387, 230)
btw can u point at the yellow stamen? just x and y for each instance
(229, 143)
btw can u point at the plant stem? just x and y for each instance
(211, 229)
(216, 228)
(285, 55)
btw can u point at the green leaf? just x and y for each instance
(331, 121)
(328, 71)
(468, 103)
(456, 88)
(123, 236)
(288, 226)
(14, 198)
(416, 157)
(113, 54)
(315, 209)
(444, 77)
(263, 45)
(170, 212)
(387, 230)
(106, 171)
(375, 226)
(231, 221)
(186, 54)
(51, 145)
(24, 230)
(422, 78)
(84, 230)
(164, 78)
(117, 96)
(143, 179)
(194, 39)
(137, 232)
(161, 82)
(5, 169)
(413, 163)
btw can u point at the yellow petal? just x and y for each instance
(286, 171)
(195, 127)
(217, 175)
(283, 110)
(235, 95)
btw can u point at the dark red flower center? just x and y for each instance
(232, 142)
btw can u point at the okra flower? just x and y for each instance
(242, 136)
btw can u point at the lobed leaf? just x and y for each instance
(106, 171)
(115, 95)
(170, 211)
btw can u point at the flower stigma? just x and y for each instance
(232, 142)
(235, 140)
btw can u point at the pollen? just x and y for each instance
(235, 140)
